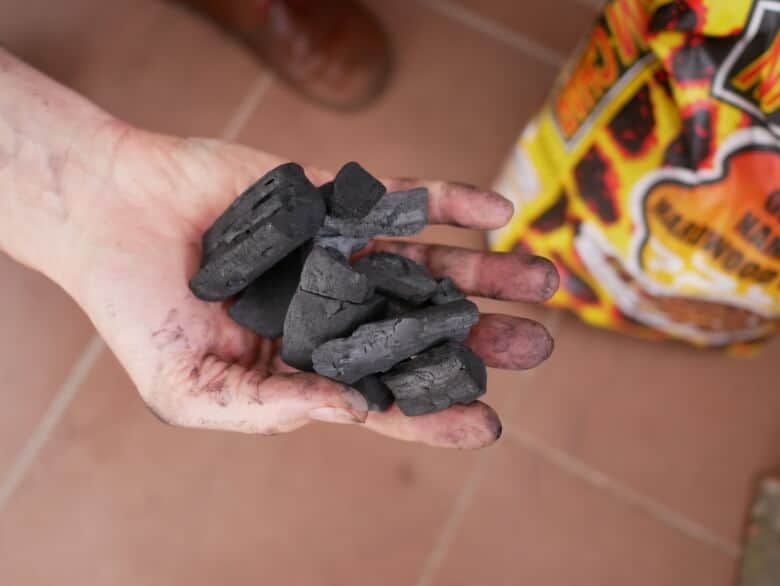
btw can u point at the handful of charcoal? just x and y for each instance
(384, 325)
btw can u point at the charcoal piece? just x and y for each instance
(265, 224)
(346, 245)
(377, 395)
(396, 307)
(437, 379)
(328, 273)
(312, 320)
(401, 213)
(288, 174)
(446, 292)
(377, 347)
(355, 192)
(263, 305)
(326, 191)
(398, 276)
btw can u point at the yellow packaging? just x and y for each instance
(651, 177)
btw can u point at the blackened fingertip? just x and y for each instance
(551, 282)
(550, 346)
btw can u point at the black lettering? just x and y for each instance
(732, 259)
(766, 276)
(749, 270)
(760, 236)
(661, 207)
(773, 250)
(715, 244)
(692, 233)
(746, 224)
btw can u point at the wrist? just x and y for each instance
(50, 141)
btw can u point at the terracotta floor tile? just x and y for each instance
(531, 523)
(689, 428)
(558, 25)
(118, 498)
(455, 106)
(43, 334)
(150, 62)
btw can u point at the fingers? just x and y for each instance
(218, 395)
(459, 204)
(498, 275)
(460, 426)
(503, 341)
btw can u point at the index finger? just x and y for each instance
(459, 204)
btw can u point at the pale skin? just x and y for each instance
(114, 215)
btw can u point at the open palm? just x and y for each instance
(139, 241)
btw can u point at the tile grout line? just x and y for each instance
(94, 348)
(248, 105)
(466, 493)
(624, 494)
(50, 419)
(498, 32)
(450, 528)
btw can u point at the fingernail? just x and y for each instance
(551, 282)
(334, 415)
(499, 431)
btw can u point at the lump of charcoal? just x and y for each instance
(396, 307)
(401, 213)
(377, 395)
(288, 173)
(447, 292)
(326, 191)
(263, 305)
(355, 192)
(436, 379)
(328, 273)
(398, 276)
(312, 320)
(346, 245)
(377, 347)
(269, 221)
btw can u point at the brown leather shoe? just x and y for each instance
(332, 51)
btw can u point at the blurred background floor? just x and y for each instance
(622, 461)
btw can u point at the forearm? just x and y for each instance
(49, 158)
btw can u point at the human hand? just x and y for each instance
(138, 232)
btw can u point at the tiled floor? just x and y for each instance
(622, 461)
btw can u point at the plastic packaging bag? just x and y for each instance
(652, 175)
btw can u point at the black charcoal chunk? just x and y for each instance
(436, 379)
(346, 245)
(289, 173)
(263, 305)
(396, 307)
(446, 292)
(377, 347)
(398, 276)
(326, 191)
(328, 273)
(276, 215)
(355, 192)
(401, 213)
(377, 395)
(312, 320)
